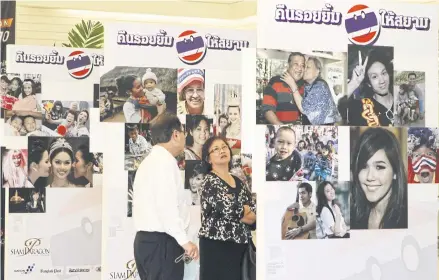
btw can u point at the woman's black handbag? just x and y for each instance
(249, 262)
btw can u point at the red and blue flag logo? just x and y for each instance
(362, 25)
(191, 47)
(79, 65)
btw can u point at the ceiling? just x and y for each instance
(218, 9)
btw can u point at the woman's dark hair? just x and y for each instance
(57, 103)
(198, 169)
(5, 79)
(70, 111)
(34, 89)
(20, 85)
(206, 151)
(36, 151)
(86, 155)
(125, 83)
(88, 115)
(322, 201)
(222, 116)
(192, 122)
(164, 127)
(59, 150)
(370, 142)
(376, 55)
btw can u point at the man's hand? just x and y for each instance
(292, 233)
(191, 250)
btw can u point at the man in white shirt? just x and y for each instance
(160, 212)
(137, 143)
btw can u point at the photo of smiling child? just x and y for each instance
(304, 153)
(26, 123)
(21, 92)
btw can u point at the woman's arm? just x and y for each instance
(249, 207)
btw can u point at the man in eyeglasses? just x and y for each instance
(160, 214)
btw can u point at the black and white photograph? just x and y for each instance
(191, 92)
(14, 168)
(27, 200)
(26, 123)
(199, 128)
(21, 92)
(137, 94)
(67, 118)
(370, 86)
(137, 144)
(227, 108)
(58, 162)
(300, 87)
(378, 178)
(333, 210)
(194, 176)
(409, 98)
(301, 153)
(131, 177)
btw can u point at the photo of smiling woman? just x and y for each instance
(191, 93)
(194, 176)
(198, 130)
(379, 178)
(370, 86)
(423, 155)
(14, 163)
(38, 162)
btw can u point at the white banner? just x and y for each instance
(173, 58)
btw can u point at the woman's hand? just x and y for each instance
(359, 71)
(286, 77)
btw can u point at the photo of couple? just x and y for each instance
(300, 87)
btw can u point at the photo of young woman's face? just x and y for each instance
(17, 123)
(233, 113)
(79, 166)
(223, 122)
(61, 165)
(379, 78)
(201, 133)
(195, 182)
(285, 143)
(426, 173)
(36, 196)
(329, 192)
(14, 85)
(376, 176)
(27, 88)
(44, 165)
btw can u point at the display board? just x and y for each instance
(194, 73)
(344, 92)
(51, 167)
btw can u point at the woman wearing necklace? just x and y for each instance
(232, 132)
(369, 91)
(227, 211)
(39, 163)
(198, 131)
(61, 159)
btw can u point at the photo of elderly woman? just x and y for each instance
(228, 103)
(63, 162)
(302, 153)
(198, 130)
(379, 178)
(27, 200)
(299, 88)
(370, 86)
(333, 210)
(191, 95)
(26, 123)
(14, 168)
(137, 144)
(409, 94)
(194, 176)
(423, 155)
(137, 94)
(67, 118)
(21, 92)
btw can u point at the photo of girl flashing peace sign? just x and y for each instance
(370, 84)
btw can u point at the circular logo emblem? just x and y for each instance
(191, 47)
(362, 25)
(79, 65)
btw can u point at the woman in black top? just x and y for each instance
(370, 91)
(227, 210)
(379, 189)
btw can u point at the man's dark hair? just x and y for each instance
(132, 128)
(162, 129)
(293, 54)
(306, 186)
(411, 74)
